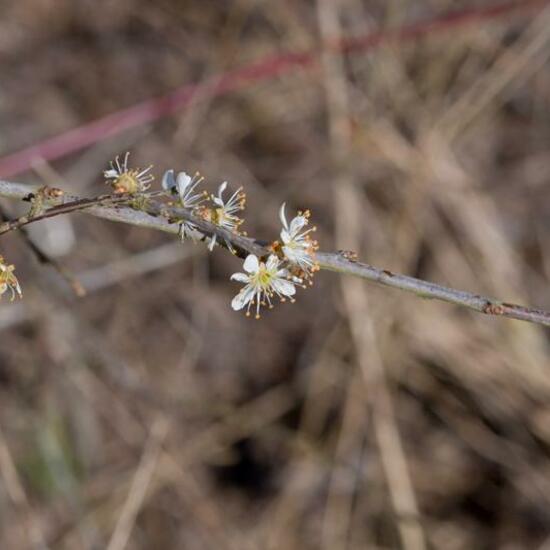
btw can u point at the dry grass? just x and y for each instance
(149, 415)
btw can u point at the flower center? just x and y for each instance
(263, 277)
(128, 182)
(219, 216)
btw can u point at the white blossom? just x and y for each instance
(298, 247)
(262, 282)
(224, 213)
(125, 180)
(184, 187)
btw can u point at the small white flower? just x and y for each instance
(124, 180)
(8, 280)
(262, 281)
(224, 213)
(184, 186)
(298, 247)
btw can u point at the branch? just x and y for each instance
(158, 217)
(73, 205)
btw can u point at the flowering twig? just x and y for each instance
(158, 216)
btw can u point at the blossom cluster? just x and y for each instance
(290, 261)
(291, 264)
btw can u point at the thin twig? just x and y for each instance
(426, 289)
(340, 262)
(72, 205)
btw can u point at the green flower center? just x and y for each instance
(263, 277)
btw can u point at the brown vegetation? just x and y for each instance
(148, 414)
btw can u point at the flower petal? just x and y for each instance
(283, 287)
(242, 298)
(238, 302)
(282, 216)
(241, 277)
(272, 262)
(292, 254)
(182, 182)
(251, 264)
(110, 173)
(285, 237)
(221, 189)
(297, 224)
(168, 181)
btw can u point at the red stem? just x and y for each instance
(154, 108)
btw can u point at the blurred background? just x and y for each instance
(148, 414)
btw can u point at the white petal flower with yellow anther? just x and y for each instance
(8, 280)
(124, 180)
(224, 214)
(263, 281)
(184, 187)
(298, 247)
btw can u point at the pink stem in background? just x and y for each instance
(158, 107)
